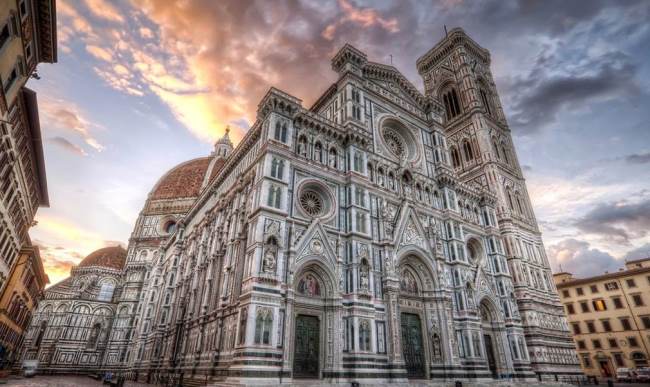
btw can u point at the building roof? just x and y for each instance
(183, 181)
(582, 281)
(112, 257)
(31, 105)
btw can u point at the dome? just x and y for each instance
(183, 181)
(110, 257)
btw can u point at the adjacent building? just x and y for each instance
(609, 316)
(382, 234)
(27, 38)
(26, 283)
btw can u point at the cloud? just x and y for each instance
(638, 253)
(64, 115)
(63, 244)
(577, 257)
(617, 221)
(67, 145)
(541, 97)
(642, 158)
(363, 17)
(100, 53)
(104, 10)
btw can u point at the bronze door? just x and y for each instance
(306, 351)
(489, 352)
(412, 347)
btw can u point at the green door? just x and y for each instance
(412, 347)
(306, 350)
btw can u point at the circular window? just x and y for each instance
(170, 227)
(315, 200)
(394, 142)
(398, 139)
(311, 202)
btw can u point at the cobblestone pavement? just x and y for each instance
(62, 381)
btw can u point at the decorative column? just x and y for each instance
(391, 293)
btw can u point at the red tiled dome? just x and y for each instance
(110, 257)
(182, 181)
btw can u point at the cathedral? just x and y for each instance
(382, 235)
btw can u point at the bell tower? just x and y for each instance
(456, 72)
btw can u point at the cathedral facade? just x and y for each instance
(381, 235)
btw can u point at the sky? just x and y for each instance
(141, 86)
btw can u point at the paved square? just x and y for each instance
(63, 381)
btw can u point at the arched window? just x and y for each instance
(510, 204)
(263, 324)
(496, 149)
(106, 292)
(242, 326)
(41, 333)
(277, 168)
(278, 131)
(283, 133)
(94, 335)
(364, 335)
(467, 150)
(391, 180)
(486, 101)
(275, 194)
(451, 102)
(170, 227)
(371, 172)
(361, 222)
(455, 158)
(520, 208)
(504, 153)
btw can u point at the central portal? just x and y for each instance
(489, 351)
(412, 347)
(306, 350)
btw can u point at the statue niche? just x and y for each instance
(270, 257)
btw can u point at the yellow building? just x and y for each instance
(27, 38)
(27, 281)
(609, 317)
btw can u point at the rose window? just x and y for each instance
(399, 140)
(311, 202)
(394, 142)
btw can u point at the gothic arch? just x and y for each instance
(324, 276)
(490, 313)
(411, 262)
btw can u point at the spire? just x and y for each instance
(223, 146)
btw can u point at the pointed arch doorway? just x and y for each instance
(313, 316)
(490, 338)
(415, 286)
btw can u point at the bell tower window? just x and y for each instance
(486, 102)
(455, 158)
(467, 149)
(452, 106)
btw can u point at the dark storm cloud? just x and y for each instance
(642, 158)
(580, 259)
(619, 222)
(540, 100)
